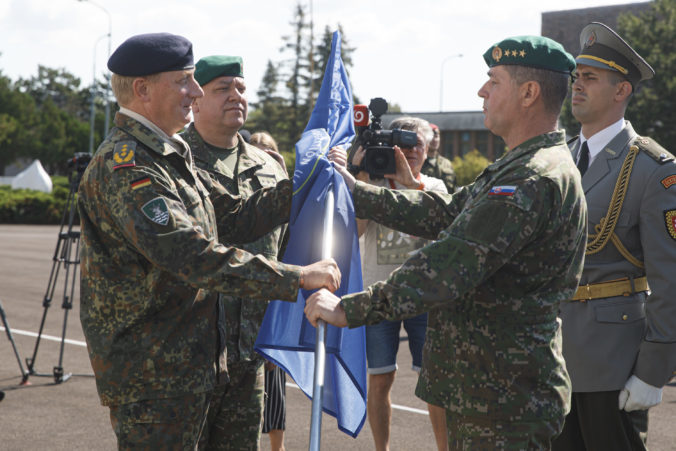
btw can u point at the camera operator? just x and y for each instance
(384, 250)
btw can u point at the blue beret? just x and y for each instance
(151, 53)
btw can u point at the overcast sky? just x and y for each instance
(401, 45)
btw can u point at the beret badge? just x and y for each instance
(497, 53)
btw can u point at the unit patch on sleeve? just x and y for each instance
(157, 211)
(123, 154)
(502, 190)
(668, 181)
(670, 219)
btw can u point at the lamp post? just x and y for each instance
(92, 109)
(110, 38)
(441, 79)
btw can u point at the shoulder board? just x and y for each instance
(572, 139)
(653, 149)
(124, 154)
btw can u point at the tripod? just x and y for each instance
(11, 340)
(66, 254)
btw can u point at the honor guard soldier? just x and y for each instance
(508, 249)
(619, 330)
(151, 259)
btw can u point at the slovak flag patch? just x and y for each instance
(502, 190)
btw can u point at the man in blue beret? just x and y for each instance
(619, 330)
(508, 249)
(235, 420)
(152, 265)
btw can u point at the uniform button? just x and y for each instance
(625, 317)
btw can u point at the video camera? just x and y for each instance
(378, 143)
(79, 161)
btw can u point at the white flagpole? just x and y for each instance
(320, 346)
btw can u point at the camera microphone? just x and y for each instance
(361, 116)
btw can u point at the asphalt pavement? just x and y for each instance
(55, 412)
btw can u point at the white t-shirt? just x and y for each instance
(382, 249)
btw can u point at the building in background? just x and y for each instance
(461, 132)
(565, 26)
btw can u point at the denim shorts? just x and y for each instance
(382, 343)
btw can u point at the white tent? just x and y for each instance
(33, 177)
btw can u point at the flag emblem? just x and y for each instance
(502, 190)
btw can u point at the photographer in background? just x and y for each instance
(437, 165)
(383, 251)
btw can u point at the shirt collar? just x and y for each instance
(174, 141)
(600, 140)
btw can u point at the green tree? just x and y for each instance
(467, 168)
(297, 73)
(652, 111)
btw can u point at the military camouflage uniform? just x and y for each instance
(151, 264)
(254, 170)
(441, 168)
(509, 249)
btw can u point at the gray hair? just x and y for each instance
(414, 124)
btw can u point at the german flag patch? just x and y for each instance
(140, 183)
(123, 155)
(670, 219)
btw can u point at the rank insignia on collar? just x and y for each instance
(669, 181)
(157, 211)
(123, 154)
(670, 219)
(502, 190)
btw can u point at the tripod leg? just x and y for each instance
(24, 374)
(73, 242)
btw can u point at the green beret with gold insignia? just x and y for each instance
(603, 48)
(214, 66)
(532, 51)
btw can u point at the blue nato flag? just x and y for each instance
(286, 337)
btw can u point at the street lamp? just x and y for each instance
(92, 110)
(441, 79)
(110, 38)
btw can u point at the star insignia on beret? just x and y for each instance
(513, 52)
(522, 53)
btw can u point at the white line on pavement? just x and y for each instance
(83, 344)
(46, 337)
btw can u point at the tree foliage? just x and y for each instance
(652, 110)
(290, 86)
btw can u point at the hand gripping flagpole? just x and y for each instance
(320, 346)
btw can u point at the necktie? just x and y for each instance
(583, 162)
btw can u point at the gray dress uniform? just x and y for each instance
(609, 338)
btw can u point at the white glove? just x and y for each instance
(637, 395)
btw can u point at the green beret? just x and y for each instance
(603, 48)
(214, 66)
(532, 51)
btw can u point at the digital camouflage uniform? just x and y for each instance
(441, 168)
(237, 423)
(151, 266)
(509, 249)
